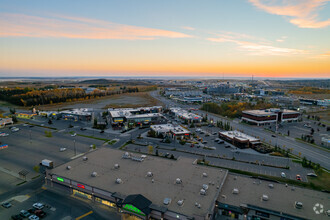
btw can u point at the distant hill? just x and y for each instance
(120, 82)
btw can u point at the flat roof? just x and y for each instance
(135, 181)
(178, 129)
(125, 112)
(145, 115)
(239, 135)
(268, 112)
(281, 198)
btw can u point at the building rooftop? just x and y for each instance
(280, 197)
(268, 112)
(239, 135)
(164, 128)
(174, 179)
(125, 112)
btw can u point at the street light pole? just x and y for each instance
(74, 146)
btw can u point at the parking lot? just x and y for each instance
(28, 146)
(56, 209)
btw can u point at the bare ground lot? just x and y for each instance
(127, 100)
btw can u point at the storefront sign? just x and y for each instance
(131, 208)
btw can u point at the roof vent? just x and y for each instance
(68, 167)
(180, 202)
(94, 174)
(205, 186)
(265, 197)
(203, 192)
(117, 166)
(204, 174)
(235, 177)
(85, 158)
(149, 174)
(298, 205)
(167, 201)
(178, 181)
(118, 181)
(126, 155)
(199, 206)
(235, 191)
(271, 186)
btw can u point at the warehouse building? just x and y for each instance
(185, 115)
(242, 197)
(82, 114)
(141, 187)
(268, 116)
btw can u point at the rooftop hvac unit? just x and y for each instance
(235, 191)
(178, 181)
(149, 174)
(204, 174)
(117, 166)
(167, 201)
(85, 158)
(199, 206)
(180, 202)
(68, 167)
(126, 155)
(94, 174)
(265, 197)
(205, 187)
(118, 181)
(203, 192)
(271, 186)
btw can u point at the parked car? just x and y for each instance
(283, 175)
(212, 148)
(32, 210)
(298, 177)
(24, 213)
(273, 135)
(311, 174)
(3, 134)
(6, 205)
(215, 133)
(83, 129)
(198, 130)
(73, 135)
(192, 145)
(217, 139)
(16, 217)
(34, 217)
(227, 146)
(14, 129)
(220, 142)
(204, 142)
(40, 213)
(62, 149)
(101, 131)
(38, 205)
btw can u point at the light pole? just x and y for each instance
(74, 146)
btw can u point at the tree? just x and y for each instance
(14, 119)
(50, 122)
(156, 152)
(95, 123)
(150, 149)
(36, 168)
(12, 111)
(288, 132)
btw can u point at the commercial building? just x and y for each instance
(240, 139)
(222, 89)
(25, 115)
(135, 116)
(268, 116)
(171, 130)
(185, 115)
(82, 114)
(142, 187)
(242, 197)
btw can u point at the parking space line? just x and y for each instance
(84, 215)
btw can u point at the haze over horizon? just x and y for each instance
(216, 38)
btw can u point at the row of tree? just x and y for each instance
(233, 109)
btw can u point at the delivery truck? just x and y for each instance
(47, 163)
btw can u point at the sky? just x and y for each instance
(197, 38)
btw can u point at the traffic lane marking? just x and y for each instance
(84, 215)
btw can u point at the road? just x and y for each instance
(314, 154)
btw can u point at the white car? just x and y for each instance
(311, 174)
(2, 134)
(283, 175)
(198, 130)
(38, 205)
(25, 125)
(14, 129)
(62, 149)
(73, 135)
(33, 217)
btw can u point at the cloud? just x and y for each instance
(282, 39)
(188, 28)
(255, 48)
(304, 13)
(323, 56)
(59, 26)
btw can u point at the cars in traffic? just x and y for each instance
(38, 205)
(283, 175)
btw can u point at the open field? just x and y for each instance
(127, 100)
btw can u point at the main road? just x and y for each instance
(315, 154)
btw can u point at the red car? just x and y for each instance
(298, 177)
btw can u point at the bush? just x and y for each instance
(36, 168)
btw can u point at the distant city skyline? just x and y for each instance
(187, 38)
